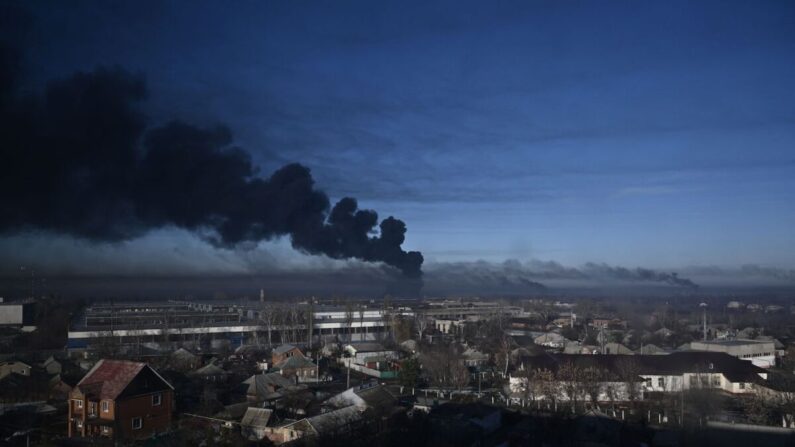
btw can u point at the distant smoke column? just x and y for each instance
(261, 295)
(704, 319)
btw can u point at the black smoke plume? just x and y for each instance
(79, 159)
(637, 274)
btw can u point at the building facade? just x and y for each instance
(120, 400)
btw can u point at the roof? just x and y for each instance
(367, 347)
(736, 342)
(283, 348)
(210, 369)
(333, 420)
(256, 417)
(376, 396)
(109, 378)
(183, 353)
(258, 384)
(676, 363)
(233, 411)
(49, 360)
(295, 362)
(474, 354)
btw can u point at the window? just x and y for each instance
(693, 381)
(661, 382)
(79, 404)
(137, 423)
(716, 380)
(742, 385)
(157, 399)
(105, 406)
(105, 429)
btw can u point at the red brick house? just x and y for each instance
(120, 400)
(284, 352)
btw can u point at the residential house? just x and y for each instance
(254, 424)
(210, 373)
(360, 351)
(613, 348)
(184, 360)
(675, 372)
(474, 358)
(575, 347)
(121, 400)
(463, 424)
(325, 425)
(52, 366)
(551, 340)
(298, 366)
(370, 395)
(14, 367)
(284, 352)
(651, 349)
(607, 323)
(261, 386)
(761, 353)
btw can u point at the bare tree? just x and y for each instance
(420, 324)
(310, 323)
(267, 315)
(349, 319)
(571, 376)
(592, 378)
(459, 374)
(544, 385)
(361, 322)
(628, 370)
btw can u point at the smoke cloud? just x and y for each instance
(533, 275)
(81, 159)
(638, 274)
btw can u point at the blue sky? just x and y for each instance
(659, 134)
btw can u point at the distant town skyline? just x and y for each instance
(655, 135)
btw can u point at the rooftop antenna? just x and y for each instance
(704, 319)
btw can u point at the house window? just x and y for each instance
(79, 424)
(105, 430)
(715, 380)
(105, 406)
(79, 404)
(137, 423)
(742, 385)
(661, 382)
(157, 399)
(693, 381)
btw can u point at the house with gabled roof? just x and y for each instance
(262, 386)
(254, 424)
(121, 400)
(284, 352)
(328, 425)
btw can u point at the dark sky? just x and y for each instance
(655, 134)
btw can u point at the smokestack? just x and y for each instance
(704, 319)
